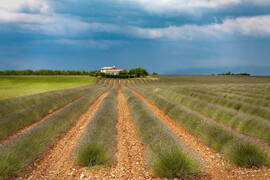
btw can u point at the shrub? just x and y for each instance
(97, 145)
(236, 105)
(215, 136)
(91, 155)
(175, 164)
(17, 120)
(246, 154)
(17, 155)
(255, 127)
(167, 157)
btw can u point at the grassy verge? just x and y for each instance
(19, 119)
(238, 150)
(166, 156)
(18, 154)
(255, 127)
(97, 145)
(13, 86)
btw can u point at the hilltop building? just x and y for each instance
(111, 70)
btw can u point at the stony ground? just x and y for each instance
(57, 162)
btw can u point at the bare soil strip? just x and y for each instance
(27, 128)
(106, 82)
(56, 163)
(111, 83)
(130, 151)
(114, 83)
(215, 166)
(129, 162)
(129, 82)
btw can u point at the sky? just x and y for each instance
(164, 36)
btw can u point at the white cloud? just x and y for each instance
(41, 6)
(17, 17)
(42, 19)
(52, 23)
(190, 5)
(250, 26)
(247, 26)
(38, 16)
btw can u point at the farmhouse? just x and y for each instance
(111, 70)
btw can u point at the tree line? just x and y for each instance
(46, 72)
(133, 73)
(240, 74)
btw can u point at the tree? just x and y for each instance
(138, 72)
(243, 74)
(154, 74)
(124, 74)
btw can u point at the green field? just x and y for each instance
(13, 86)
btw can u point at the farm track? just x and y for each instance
(35, 124)
(215, 166)
(114, 84)
(130, 163)
(130, 150)
(57, 163)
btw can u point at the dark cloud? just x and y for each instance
(87, 34)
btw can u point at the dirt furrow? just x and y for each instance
(214, 165)
(130, 151)
(106, 82)
(56, 163)
(114, 83)
(128, 82)
(129, 162)
(27, 128)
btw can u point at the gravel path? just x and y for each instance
(130, 151)
(214, 166)
(129, 164)
(56, 163)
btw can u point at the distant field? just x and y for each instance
(201, 79)
(12, 86)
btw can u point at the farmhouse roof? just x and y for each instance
(107, 68)
(115, 70)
